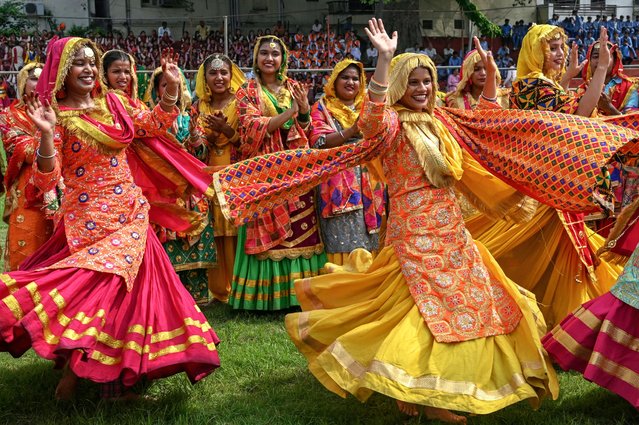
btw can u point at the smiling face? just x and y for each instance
(347, 84)
(82, 75)
(119, 75)
(418, 90)
(556, 58)
(269, 58)
(218, 76)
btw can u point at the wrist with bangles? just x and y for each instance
(489, 99)
(377, 88)
(39, 155)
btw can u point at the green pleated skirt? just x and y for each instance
(268, 284)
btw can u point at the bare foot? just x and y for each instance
(443, 415)
(406, 408)
(66, 387)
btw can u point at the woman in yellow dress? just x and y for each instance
(552, 255)
(217, 80)
(432, 321)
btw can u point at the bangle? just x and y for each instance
(375, 90)
(490, 99)
(341, 134)
(170, 97)
(304, 117)
(55, 152)
(377, 84)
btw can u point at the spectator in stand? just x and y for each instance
(317, 26)
(503, 50)
(453, 80)
(483, 42)
(17, 56)
(430, 51)
(454, 60)
(588, 40)
(202, 31)
(519, 31)
(371, 55)
(164, 29)
(588, 26)
(279, 30)
(417, 49)
(553, 21)
(628, 53)
(506, 33)
(448, 51)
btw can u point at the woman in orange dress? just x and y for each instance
(27, 212)
(100, 298)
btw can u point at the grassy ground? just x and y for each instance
(263, 380)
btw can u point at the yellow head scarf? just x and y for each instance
(134, 76)
(23, 76)
(344, 115)
(184, 94)
(439, 154)
(535, 50)
(468, 68)
(202, 90)
(281, 73)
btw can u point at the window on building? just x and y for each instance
(427, 24)
(459, 24)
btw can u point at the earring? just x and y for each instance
(61, 94)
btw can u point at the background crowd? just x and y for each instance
(317, 48)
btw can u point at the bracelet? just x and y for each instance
(490, 99)
(55, 152)
(170, 97)
(304, 117)
(341, 134)
(377, 84)
(379, 92)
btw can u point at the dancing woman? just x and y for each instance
(433, 321)
(352, 203)
(473, 79)
(27, 212)
(100, 297)
(275, 250)
(553, 254)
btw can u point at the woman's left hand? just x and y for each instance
(300, 94)
(486, 57)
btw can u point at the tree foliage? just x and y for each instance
(12, 17)
(469, 9)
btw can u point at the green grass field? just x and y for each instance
(263, 380)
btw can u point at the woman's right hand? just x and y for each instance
(376, 33)
(604, 49)
(42, 115)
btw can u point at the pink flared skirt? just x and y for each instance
(600, 340)
(106, 333)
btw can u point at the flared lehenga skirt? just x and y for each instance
(266, 284)
(600, 340)
(361, 332)
(106, 333)
(540, 256)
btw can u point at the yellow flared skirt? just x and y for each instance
(361, 332)
(540, 257)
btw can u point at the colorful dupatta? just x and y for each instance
(344, 192)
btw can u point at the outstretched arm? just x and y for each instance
(386, 47)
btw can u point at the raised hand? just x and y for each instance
(171, 71)
(604, 49)
(376, 33)
(215, 122)
(42, 115)
(574, 67)
(486, 57)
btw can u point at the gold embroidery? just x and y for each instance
(14, 306)
(9, 282)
